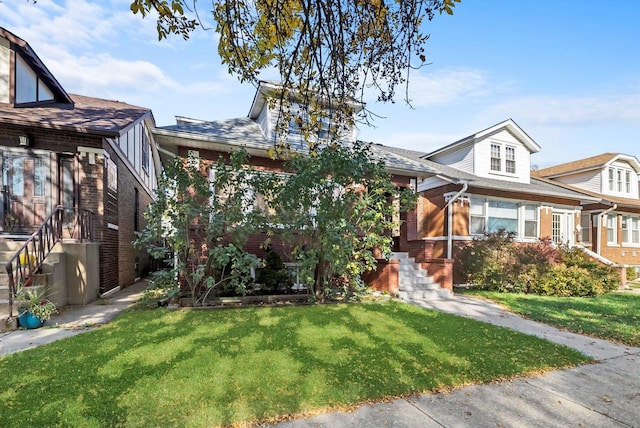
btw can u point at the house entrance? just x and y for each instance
(25, 180)
(562, 227)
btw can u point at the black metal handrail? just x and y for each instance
(78, 225)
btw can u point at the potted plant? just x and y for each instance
(34, 309)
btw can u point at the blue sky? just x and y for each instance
(567, 71)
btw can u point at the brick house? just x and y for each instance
(256, 134)
(484, 183)
(80, 153)
(478, 184)
(609, 226)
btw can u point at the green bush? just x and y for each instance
(632, 274)
(497, 263)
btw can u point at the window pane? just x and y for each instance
(495, 157)
(503, 209)
(584, 232)
(39, 178)
(531, 229)
(476, 226)
(506, 224)
(476, 206)
(530, 212)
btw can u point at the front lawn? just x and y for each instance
(613, 316)
(219, 367)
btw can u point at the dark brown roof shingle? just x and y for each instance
(89, 115)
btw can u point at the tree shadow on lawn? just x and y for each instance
(205, 368)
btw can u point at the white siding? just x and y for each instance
(431, 183)
(503, 138)
(130, 145)
(461, 158)
(5, 56)
(589, 180)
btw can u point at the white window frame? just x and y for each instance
(585, 229)
(481, 216)
(510, 159)
(496, 157)
(630, 234)
(611, 180)
(612, 228)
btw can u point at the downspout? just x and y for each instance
(455, 197)
(607, 211)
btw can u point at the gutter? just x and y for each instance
(607, 211)
(455, 197)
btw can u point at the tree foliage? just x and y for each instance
(335, 210)
(203, 220)
(330, 49)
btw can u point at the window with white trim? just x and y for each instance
(619, 175)
(510, 159)
(476, 216)
(585, 228)
(612, 228)
(530, 221)
(496, 158)
(627, 181)
(630, 229)
(491, 215)
(611, 172)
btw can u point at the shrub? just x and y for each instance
(497, 263)
(273, 276)
(632, 274)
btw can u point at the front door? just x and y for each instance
(562, 227)
(25, 181)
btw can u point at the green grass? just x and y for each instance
(209, 368)
(613, 316)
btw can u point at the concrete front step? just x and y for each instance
(420, 287)
(440, 293)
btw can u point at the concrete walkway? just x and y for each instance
(73, 320)
(605, 394)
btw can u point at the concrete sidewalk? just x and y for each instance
(73, 320)
(604, 394)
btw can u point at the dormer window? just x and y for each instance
(496, 161)
(611, 172)
(506, 164)
(620, 181)
(627, 181)
(510, 159)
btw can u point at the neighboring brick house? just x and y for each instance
(609, 226)
(484, 183)
(74, 151)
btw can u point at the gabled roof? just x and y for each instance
(603, 199)
(597, 162)
(535, 187)
(23, 49)
(84, 114)
(265, 89)
(508, 124)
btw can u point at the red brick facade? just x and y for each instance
(113, 212)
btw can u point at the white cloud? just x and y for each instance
(447, 86)
(570, 110)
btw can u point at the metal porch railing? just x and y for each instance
(62, 223)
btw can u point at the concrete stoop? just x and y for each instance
(414, 283)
